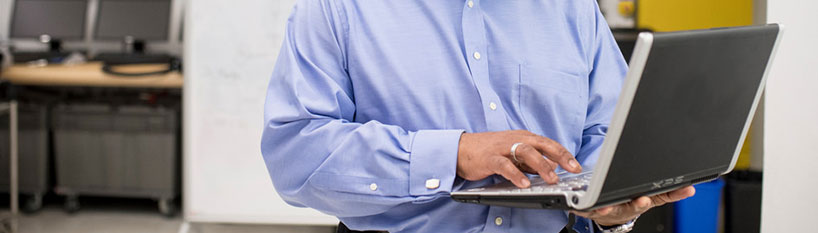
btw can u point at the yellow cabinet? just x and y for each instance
(676, 15)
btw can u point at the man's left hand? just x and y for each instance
(624, 213)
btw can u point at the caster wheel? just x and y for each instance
(72, 204)
(33, 203)
(167, 207)
(5, 225)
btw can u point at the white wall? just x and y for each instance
(790, 196)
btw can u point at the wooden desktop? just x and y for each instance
(90, 74)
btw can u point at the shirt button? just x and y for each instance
(477, 55)
(498, 221)
(471, 3)
(373, 186)
(493, 106)
(432, 183)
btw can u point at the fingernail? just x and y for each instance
(573, 164)
(525, 182)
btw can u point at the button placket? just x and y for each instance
(474, 39)
(498, 218)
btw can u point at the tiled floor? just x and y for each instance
(114, 216)
(54, 220)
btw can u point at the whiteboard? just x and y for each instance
(5, 20)
(230, 51)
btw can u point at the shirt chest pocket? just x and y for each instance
(551, 102)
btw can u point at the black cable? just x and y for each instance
(108, 69)
(572, 220)
(109, 61)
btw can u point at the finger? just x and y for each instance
(674, 196)
(557, 153)
(532, 158)
(504, 167)
(548, 162)
(597, 213)
(626, 211)
(661, 199)
(604, 211)
(642, 204)
(526, 169)
(682, 193)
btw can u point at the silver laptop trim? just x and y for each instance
(639, 59)
(757, 99)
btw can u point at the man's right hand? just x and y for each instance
(483, 154)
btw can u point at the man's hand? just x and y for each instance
(483, 154)
(623, 213)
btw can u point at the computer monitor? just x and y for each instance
(60, 19)
(147, 20)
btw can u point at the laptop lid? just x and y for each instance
(690, 112)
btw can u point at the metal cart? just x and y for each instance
(119, 151)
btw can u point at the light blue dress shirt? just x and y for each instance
(369, 98)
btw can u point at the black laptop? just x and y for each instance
(684, 110)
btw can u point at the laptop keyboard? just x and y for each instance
(571, 183)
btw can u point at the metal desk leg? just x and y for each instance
(13, 164)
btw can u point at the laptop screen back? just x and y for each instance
(690, 108)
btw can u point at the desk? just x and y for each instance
(90, 74)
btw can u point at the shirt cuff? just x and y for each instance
(433, 161)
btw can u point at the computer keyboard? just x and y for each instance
(51, 57)
(575, 183)
(129, 58)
